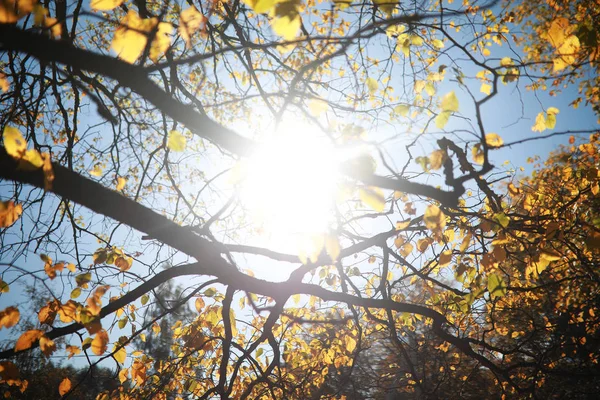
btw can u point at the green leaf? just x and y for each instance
(496, 286)
(82, 279)
(502, 219)
(210, 292)
(145, 299)
(75, 293)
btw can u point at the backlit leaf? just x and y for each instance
(372, 85)
(190, 20)
(436, 159)
(105, 5)
(373, 197)
(121, 182)
(176, 141)
(14, 142)
(496, 286)
(493, 140)
(442, 119)
(434, 218)
(477, 153)
(27, 339)
(332, 246)
(120, 355)
(100, 343)
(64, 387)
(287, 26)
(450, 102)
(9, 213)
(47, 346)
(9, 317)
(485, 88)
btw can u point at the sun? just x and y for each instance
(291, 183)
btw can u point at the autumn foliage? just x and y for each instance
(394, 255)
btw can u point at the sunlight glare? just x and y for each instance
(291, 183)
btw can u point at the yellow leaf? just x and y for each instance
(123, 375)
(350, 343)
(429, 88)
(558, 31)
(442, 119)
(416, 40)
(540, 123)
(4, 84)
(373, 197)
(64, 386)
(387, 6)
(485, 88)
(9, 213)
(436, 159)
(506, 62)
(551, 117)
(332, 246)
(190, 20)
(199, 304)
(401, 225)
(399, 241)
(73, 350)
(96, 171)
(372, 85)
(434, 218)
(437, 43)
(100, 343)
(120, 355)
(14, 142)
(27, 339)
(262, 6)
(317, 107)
(567, 53)
(450, 102)
(105, 5)
(406, 249)
(402, 110)
(286, 26)
(176, 141)
(477, 153)
(493, 140)
(121, 182)
(31, 160)
(161, 41)
(9, 317)
(10, 14)
(559, 64)
(131, 36)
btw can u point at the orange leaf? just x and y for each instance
(27, 339)
(9, 317)
(64, 386)
(9, 213)
(100, 343)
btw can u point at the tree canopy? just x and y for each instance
(271, 199)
